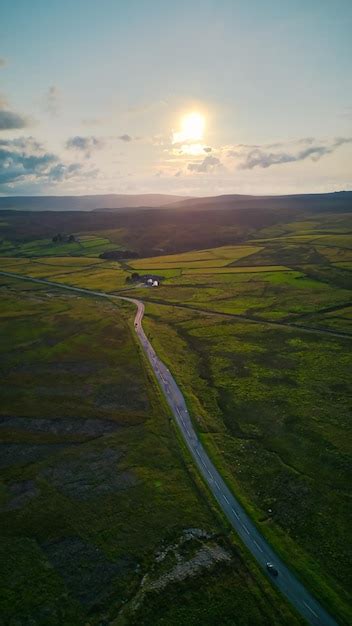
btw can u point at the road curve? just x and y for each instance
(286, 582)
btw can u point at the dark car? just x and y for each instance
(272, 569)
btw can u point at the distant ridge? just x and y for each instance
(111, 203)
(336, 200)
(87, 203)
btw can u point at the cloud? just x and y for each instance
(61, 171)
(2, 62)
(17, 163)
(25, 160)
(263, 158)
(207, 165)
(53, 101)
(9, 120)
(125, 138)
(340, 141)
(84, 144)
(29, 144)
(307, 140)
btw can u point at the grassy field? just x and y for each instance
(281, 279)
(268, 399)
(271, 406)
(76, 271)
(215, 257)
(98, 504)
(279, 295)
(87, 245)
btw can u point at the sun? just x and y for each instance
(191, 128)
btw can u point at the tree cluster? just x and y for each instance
(60, 238)
(119, 254)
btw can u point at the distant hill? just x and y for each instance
(107, 202)
(111, 203)
(340, 200)
(192, 224)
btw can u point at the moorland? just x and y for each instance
(253, 318)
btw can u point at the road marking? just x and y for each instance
(311, 610)
(258, 546)
(226, 499)
(235, 513)
(246, 529)
(197, 452)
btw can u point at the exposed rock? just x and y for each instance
(195, 552)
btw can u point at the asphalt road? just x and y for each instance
(286, 582)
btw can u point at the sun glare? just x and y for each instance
(191, 128)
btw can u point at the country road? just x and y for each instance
(286, 581)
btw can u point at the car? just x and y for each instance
(272, 569)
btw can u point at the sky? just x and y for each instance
(184, 97)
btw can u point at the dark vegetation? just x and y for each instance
(197, 223)
(117, 255)
(60, 238)
(257, 334)
(95, 488)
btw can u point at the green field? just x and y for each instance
(258, 336)
(95, 485)
(215, 257)
(87, 245)
(283, 279)
(279, 295)
(271, 407)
